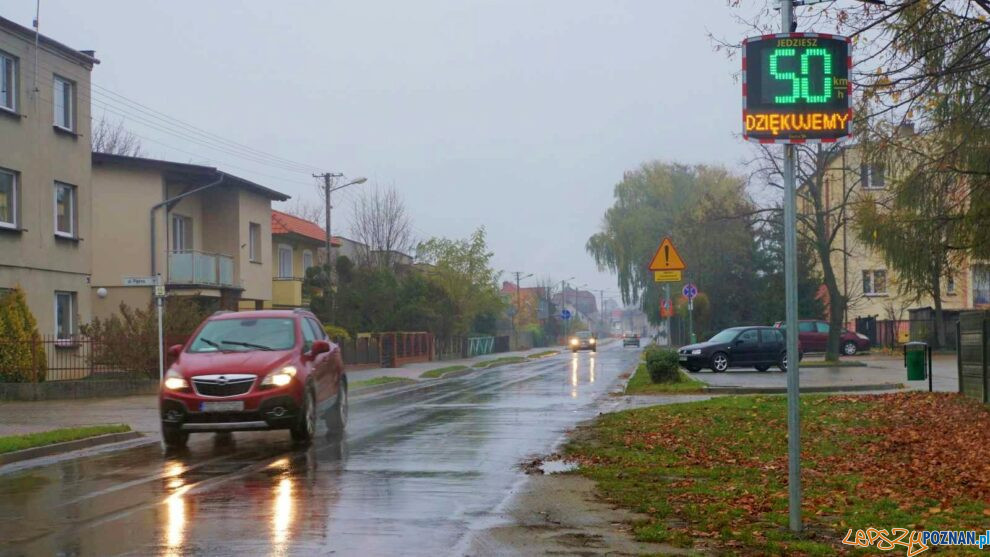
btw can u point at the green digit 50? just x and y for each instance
(800, 87)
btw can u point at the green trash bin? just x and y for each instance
(914, 360)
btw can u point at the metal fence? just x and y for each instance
(53, 359)
(363, 350)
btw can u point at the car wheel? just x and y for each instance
(336, 417)
(783, 362)
(849, 348)
(720, 362)
(305, 428)
(173, 437)
(762, 368)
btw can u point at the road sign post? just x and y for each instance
(159, 303)
(690, 291)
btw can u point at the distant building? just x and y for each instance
(296, 245)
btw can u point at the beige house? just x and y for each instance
(297, 245)
(206, 232)
(862, 273)
(45, 212)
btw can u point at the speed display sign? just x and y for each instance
(796, 88)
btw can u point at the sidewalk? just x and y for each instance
(140, 412)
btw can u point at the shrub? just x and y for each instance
(337, 333)
(129, 340)
(22, 356)
(662, 363)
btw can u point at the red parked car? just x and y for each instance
(813, 337)
(253, 370)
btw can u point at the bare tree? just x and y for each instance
(380, 222)
(113, 138)
(306, 209)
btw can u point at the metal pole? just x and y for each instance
(159, 302)
(670, 336)
(790, 288)
(330, 262)
(691, 337)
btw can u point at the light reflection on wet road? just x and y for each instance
(415, 474)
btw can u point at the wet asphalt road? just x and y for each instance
(415, 474)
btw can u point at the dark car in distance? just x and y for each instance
(813, 337)
(630, 339)
(584, 340)
(254, 370)
(757, 347)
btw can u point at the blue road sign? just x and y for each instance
(690, 291)
(565, 314)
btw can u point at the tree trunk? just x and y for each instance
(836, 302)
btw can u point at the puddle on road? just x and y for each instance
(549, 465)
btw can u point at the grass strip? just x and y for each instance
(11, 443)
(441, 371)
(383, 380)
(544, 354)
(500, 362)
(712, 475)
(641, 384)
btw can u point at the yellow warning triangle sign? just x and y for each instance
(667, 258)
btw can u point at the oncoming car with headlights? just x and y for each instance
(584, 340)
(254, 370)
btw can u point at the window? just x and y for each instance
(63, 99)
(806, 327)
(245, 335)
(871, 176)
(65, 314)
(318, 331)
(8, 199)
(65, 210)
(950, 285)
(748, 337)
(821, 327)
(308, 335)
(254, 242)
(771, 336)
(981, 284)
(307, 260)
(875, 282)
(284, 261)
(181, 233)
(8, 82)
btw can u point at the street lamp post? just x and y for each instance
(331, 255)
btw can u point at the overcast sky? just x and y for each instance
(519, 115)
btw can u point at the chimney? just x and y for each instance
(905, 129)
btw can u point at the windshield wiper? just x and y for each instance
(210, 342)
(247, 344)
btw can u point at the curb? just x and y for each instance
(357, 392)
(68, 446)
(815, 389)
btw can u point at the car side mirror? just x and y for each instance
(175, 350)
(319, 347)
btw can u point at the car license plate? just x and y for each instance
(683, 358)
(225, 406)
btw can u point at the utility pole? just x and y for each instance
(328, 178)
(790, 289)
(601, 310)
(515, 333)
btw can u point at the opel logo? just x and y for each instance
(222, 380)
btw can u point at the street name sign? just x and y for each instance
(139, 281)
(796, 88)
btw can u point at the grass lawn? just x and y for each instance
(640, 384)
(713, 475)
(13, 443)
(440, 371)
(379, 381)
(500, 362)
(826, 363)
(543, 354)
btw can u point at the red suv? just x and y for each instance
(813, 337)
(251, 370)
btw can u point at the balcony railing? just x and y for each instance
(197, 267)
(287, 291)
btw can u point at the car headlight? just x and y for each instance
(696, 351)
(592, 341)
(174, 381)
(574, 341)
(279, 378)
